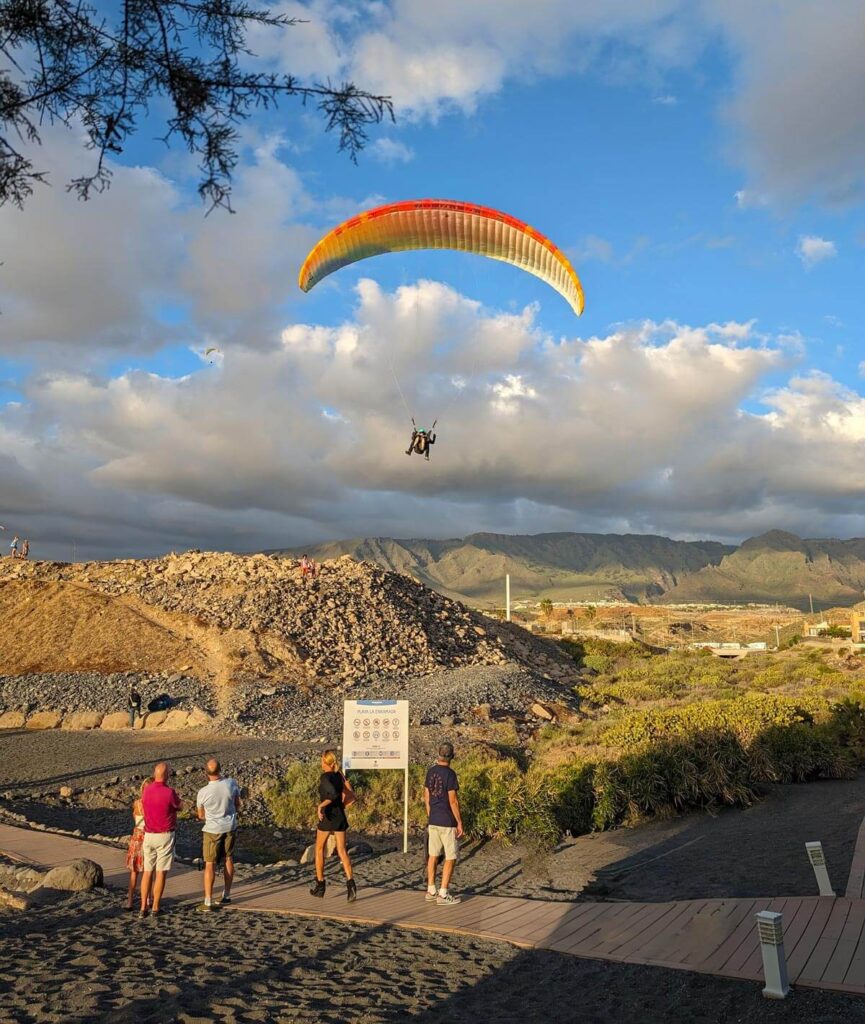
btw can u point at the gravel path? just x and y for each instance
(86, 960)
(50, 759)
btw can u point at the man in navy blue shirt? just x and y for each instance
(445, 824)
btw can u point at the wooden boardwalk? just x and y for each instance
(824, 937)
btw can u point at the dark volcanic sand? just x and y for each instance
(86, 960)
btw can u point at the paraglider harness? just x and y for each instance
(421, 440)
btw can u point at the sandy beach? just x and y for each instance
(88, 960)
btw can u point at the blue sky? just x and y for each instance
(668, 153)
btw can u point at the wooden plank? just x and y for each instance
(625, 926)
(826, 941)
(582, 929)
(753, 966)
(724, 919)
(798, 956)
(848, 942)
(739, 922)
(653, 928)
(656, 943)
(572, 913)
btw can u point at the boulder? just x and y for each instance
(308, 855)
(360, 850)
(197, 718)
(116, 721)
(82, 720)
(44, 720)
(140, 720)
(13, 900)
(176, 719)
(66, 792)
(76, 876)
(12, 720)
(539, 711)
(153, 719)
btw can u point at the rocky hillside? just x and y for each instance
(781, 567)
(232, 619)
(561, 566)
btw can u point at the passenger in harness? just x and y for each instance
(421, 439)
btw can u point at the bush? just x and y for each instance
(672, 775)
(745, 716)
(674, 759)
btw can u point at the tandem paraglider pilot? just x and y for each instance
(421, 439)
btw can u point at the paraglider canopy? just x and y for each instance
(443, 224)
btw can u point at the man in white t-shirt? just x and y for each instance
(217, 805)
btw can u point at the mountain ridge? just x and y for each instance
(645, 568)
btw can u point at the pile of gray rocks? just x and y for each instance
(354, 621)
(90, 691)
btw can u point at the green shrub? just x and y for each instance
(672, 775)
(745, 716)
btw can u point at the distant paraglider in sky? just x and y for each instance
(208, 351)
(443, 224)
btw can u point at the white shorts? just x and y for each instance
(158, 851)
(443, 840)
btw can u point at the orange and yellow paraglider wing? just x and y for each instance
(443, 224)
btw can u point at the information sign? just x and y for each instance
(375, 734)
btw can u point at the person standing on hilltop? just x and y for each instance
(445, 825)
(335, 794)
(133, 705)
(217, 805)
(159, 805)
(25, 549)
(13, 547)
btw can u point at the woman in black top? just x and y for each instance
(335, 794)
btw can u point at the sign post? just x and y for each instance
(375, 735)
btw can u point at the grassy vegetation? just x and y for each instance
(660, 734)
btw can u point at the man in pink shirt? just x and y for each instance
(160, 804)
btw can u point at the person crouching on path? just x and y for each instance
(159, 804)
(335, 794)
(445, 825)
(217, 805)
(135, 850)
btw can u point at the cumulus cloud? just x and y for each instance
(391, 151)
(650, 427)
(811, 250)
(798, 109)
(797, 74)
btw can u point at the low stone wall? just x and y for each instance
(116, 721)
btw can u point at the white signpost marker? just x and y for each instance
(375, 735)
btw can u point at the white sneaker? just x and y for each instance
(431, 897)
(447, 900)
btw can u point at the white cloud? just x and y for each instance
(811, 250)
(650, 427)
(666, 100)
(391, 151)
(797, 109)
(593, 248)
(747, 199)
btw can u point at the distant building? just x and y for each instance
(857, 623)
(816, 628)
